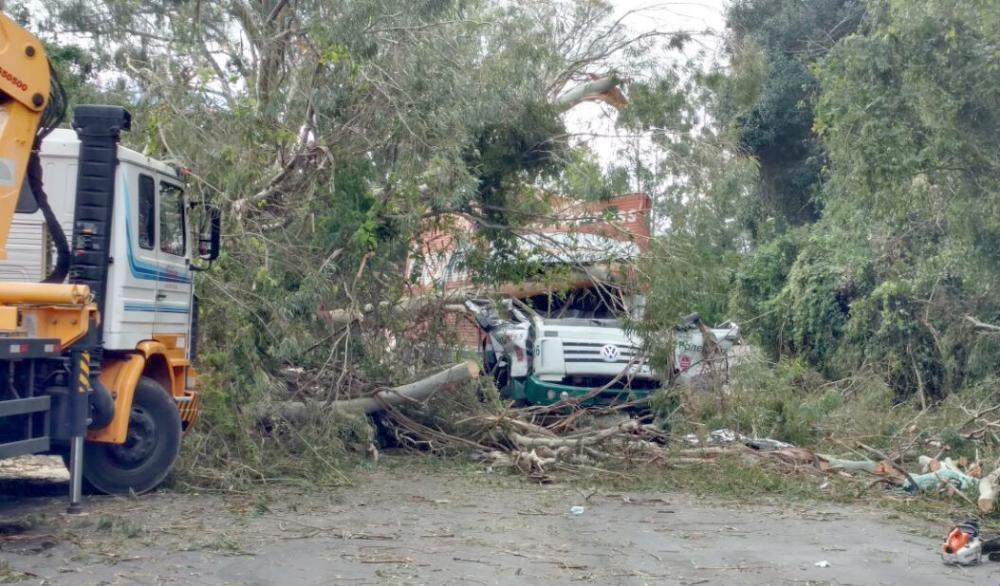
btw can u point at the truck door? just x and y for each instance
(174, 282)
(135, 308)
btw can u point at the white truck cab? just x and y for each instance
(542, 360)
(150, 291)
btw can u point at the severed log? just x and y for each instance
(988, 488)
(897, 467)
(603, 89)
(421, 390)
(928, 464)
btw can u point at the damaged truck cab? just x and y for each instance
(540, 360)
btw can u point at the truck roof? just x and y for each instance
(64, 142)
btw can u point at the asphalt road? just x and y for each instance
(449, 528)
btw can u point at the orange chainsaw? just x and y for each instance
(965, 545)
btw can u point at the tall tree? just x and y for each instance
(773, 45)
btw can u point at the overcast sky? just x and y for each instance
(594, 122)
(692, 14)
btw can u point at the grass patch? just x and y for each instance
(124, 527)
(9, 575)
(787, 402)
(730, 478)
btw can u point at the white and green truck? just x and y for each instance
(540, 360)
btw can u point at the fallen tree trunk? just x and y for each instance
(405, 307)
(897, 467)
(416, 391)
(421, 390)
(452, 301)
(603, 89)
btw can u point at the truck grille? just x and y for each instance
(591, 352)
(616, 383)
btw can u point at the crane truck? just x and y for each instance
(98, 318)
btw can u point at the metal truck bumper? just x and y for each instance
(539, 392)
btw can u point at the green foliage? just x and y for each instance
(696, 180)
(758, 297)
(681, 275)
(789, 402)
(583, 178)
(822, 284)
(833, 187)
(684, 277)
(887, 328)
(334, 134)
(902, 109)
(906, 243)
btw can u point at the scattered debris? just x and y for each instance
(717, 437)
(931, 480)
(575, 436)
(822, 564)
(766, 444)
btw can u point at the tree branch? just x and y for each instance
(276, 11)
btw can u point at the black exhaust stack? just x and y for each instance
(99, 129)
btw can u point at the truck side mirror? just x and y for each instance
(209, 236)
(214, 240)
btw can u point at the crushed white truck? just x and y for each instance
(541, 360)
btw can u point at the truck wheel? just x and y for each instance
(150, 449)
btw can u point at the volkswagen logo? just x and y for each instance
(610, 353)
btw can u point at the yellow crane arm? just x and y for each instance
(25, 80)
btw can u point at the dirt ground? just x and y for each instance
(459, 527)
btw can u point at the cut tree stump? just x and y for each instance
(988, 488)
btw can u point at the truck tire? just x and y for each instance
(150, 449)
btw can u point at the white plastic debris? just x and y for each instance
(577, 510)
(719, 436)
(725, 436)
(822, 564)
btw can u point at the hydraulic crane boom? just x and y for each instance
(25, 79)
